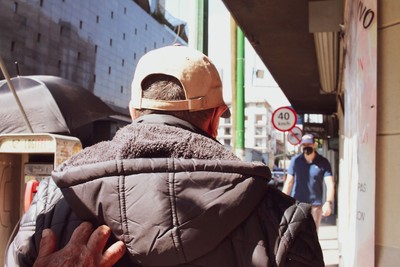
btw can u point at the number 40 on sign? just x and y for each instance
(284, 119)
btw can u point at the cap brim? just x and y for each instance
(307, 143)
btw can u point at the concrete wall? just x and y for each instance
(388, 136)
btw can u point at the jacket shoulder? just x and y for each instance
(298, 238)
(290, 231)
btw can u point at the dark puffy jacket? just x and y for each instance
(175, 197)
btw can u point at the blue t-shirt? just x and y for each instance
(308, 178)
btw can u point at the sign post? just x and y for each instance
(284, 119)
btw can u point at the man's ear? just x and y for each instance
(214, 121)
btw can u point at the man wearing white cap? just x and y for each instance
(167, 189)
(305, 176)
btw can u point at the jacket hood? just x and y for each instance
(168, 210)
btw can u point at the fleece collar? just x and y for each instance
(170, 120)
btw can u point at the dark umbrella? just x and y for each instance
(52, 105)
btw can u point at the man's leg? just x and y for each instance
(316, 212)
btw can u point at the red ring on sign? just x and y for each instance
(290, 110)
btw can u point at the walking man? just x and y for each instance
(305, 176)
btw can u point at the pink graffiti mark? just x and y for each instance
(360, 63)
(364, 137)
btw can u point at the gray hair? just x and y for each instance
(165, 87)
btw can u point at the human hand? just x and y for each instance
(327, 209)
(85, 248)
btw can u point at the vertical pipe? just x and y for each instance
(193, 18)
(205, 27)
(240, 101)
(233, 29)
(200, 25)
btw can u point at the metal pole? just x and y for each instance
(240, 101)
(233, 79)
(200, 25)
(205, 27)
(11, 86)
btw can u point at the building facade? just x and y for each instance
(95, 43)
(260, 136)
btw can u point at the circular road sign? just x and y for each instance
(294, 136)
(284, 119)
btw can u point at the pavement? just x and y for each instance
(328, 238)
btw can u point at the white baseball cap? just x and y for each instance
(307, 139)
(195, 71)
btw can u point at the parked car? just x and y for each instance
(278, 177)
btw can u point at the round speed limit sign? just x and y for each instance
(284, 119)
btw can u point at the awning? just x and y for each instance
(279, 33)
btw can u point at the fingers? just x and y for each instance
(326, 211)
(97, 242)
(48, 243)
(81, 234)
(113, 254)
(85, 248)
(98, 239)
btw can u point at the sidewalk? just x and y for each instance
(329, 242)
